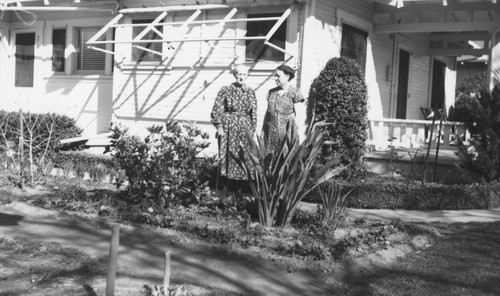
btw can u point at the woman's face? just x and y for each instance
(241, 76)
(281, 78)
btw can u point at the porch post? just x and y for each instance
(494, 58)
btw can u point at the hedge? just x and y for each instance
(417, 196)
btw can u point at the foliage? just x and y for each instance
(481, 116)
(334, 204)
(393, 194)
(164, 165)
(98, 167)
(284, 176)
(46, 130)
(339, 95)
(472, 85)
(40, 136)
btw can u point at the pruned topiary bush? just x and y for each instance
(339, 95)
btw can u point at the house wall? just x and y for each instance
(323, 27)
(87, 98)
(322, 42)
(184, 86)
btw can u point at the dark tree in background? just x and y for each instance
(339, 96)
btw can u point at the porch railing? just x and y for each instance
(412, 133)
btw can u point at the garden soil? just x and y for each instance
(48, 252)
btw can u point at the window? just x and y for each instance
(25, 59)
(89, 60)
(58, 47)
(354, 44)
(256, 49)
(139, 55)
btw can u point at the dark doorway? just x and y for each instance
(25, 59)
(403, 75)
(438, 76)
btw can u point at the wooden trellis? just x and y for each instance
(178, 35)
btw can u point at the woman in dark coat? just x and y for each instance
(233, 114)
(281, 102)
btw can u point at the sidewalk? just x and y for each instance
(460, 216)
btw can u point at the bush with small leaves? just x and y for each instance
(339, 95)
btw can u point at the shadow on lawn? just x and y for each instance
(10, 220)
(142, 252)
(465, 263)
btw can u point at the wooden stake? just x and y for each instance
(166, 276)
(21, 147)
(113, 251)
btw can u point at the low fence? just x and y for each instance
(408, 133)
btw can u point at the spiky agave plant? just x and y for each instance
(280, 179)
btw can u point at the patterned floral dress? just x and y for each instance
(280, 112)
(235, 109)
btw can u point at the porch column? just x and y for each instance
(494, 58)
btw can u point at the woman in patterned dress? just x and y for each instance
(233, 114)
(280, 106)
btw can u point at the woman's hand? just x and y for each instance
(220, 131)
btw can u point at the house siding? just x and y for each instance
(185, 86)
(86, 98)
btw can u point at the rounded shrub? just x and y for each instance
(338, 95)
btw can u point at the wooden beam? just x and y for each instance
(485, 36)
(436, 27)
(438, 7)
(459, 51)
(54, 8)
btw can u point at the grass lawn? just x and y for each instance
(465, 260)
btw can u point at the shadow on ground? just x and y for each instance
(142, 252)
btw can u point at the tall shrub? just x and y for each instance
(480, 113)
(338, 95)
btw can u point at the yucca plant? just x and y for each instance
(280, 179)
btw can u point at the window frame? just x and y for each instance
(15, 36)
(358, 31)
(64, 50)
(76, 44)
(291, 40)
(161, 28)
(359, 23)
(264, 48)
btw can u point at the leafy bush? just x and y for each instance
(338, 95)
(379, 194)
(481, 116)
(164, 165)
(285, 175)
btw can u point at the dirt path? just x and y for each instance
(141, 255)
